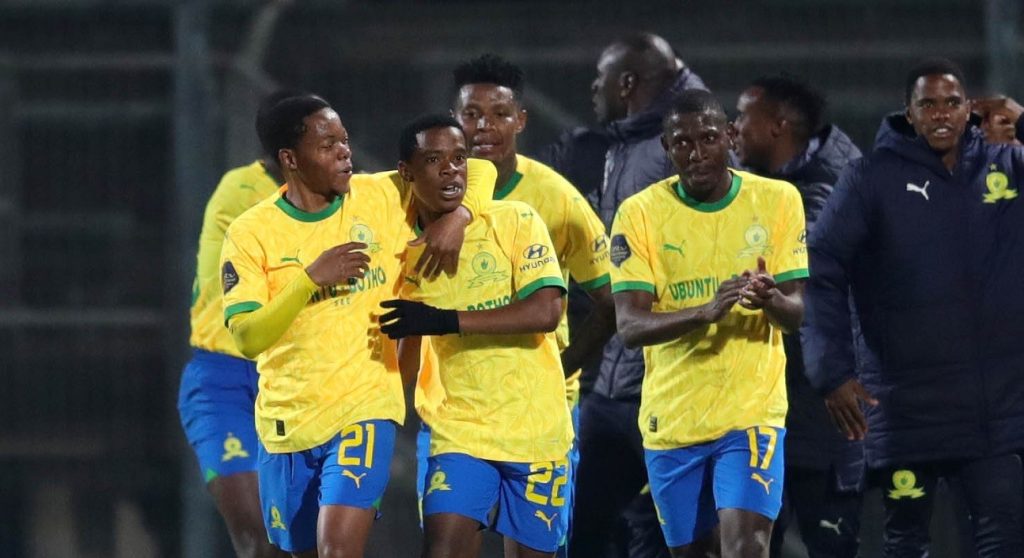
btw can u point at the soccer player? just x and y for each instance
(218, 386)
(303, 274)
(489, 108)
(780, 134)
(637, 77)
(502, 432)
(691, 257)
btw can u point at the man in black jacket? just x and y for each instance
(638, 76)
(926, 234)
(780, 134)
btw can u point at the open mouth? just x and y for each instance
(942, 132)
(484, 147)
(451, 191)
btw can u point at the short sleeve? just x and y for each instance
(480, 178)
(534, 262)
(242, 273)
(632, 268)
(587, 259)
(789, 262)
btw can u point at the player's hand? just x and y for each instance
(339, 264)
(408, 318)
(444, 242)
(727, 295)
(844, 406)
(760, 287)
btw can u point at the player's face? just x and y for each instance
(437, 169)
(698, 145)
(608, 103)
(938, 111)
(492, 118)
(323, 158)
(754, 125)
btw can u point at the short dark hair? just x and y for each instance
(797, 95)
(281, 125)
(490, 68)
(407, 142)
(931, 67)
(695, 100)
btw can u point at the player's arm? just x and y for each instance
(409, 358)
(537, 313)
(639, 326)
(256, 330)
(593, 332)
(443, 238)
(588, 262)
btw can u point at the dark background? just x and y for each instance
(118, 117)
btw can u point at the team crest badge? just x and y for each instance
(362, 233)
(998, 185)
(756, 237)
(485, 269)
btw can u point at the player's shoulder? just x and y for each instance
(259, 216)
(765, 186)
(547, 180)
(653, 198)
(509, 210)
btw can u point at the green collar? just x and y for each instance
(305, 217)
(734, 190)
(509, 186)
(416, 228)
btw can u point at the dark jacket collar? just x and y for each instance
(647, 123)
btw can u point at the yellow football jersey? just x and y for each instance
(577, 234)
(332, 367)
(238, 190)
(503, 396)
(729, 375)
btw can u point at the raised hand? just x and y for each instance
(760, 287)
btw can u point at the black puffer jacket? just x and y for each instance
(811, 440)
(934, 260)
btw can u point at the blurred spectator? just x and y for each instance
(781, 134)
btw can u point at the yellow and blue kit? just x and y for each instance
(720, 388)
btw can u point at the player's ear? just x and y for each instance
(521, 120)
(403, 171)
(287, 159)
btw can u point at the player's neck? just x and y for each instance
(715, 194)
(506, 169)
(426, 217)
(302, 198)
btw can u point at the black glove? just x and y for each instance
(415, 318)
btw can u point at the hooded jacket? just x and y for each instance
(812, 441)
(608, 166)
(933, 259)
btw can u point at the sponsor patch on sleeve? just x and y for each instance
(620, 251)
(228, 277)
